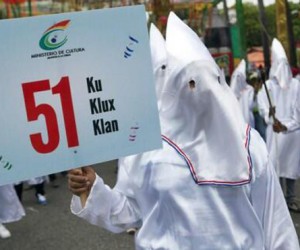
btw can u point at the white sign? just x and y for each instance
(76, 89)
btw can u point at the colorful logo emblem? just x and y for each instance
(54, 37)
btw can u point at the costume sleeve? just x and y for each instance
(108, 208)
(271, 208)
(294, 123)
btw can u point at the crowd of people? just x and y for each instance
(276, 105)
(226, 173)
(215, 182)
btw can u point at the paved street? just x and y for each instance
(53, 227)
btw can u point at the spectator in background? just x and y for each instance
(39, 186)
(260, 124)
(53, 180)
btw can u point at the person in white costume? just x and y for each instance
(283, 147)
(293, 123)
(160, 70)
(11, 209)
(243, 92)
(197, 192)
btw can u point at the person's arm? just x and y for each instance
(104, 207)
(291, 123)
(294, 123)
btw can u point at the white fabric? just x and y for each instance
(238, 79)
(293, 123)
(10, 207)
(247, 104)
(283, 147)
(280, 68)
(243, 92)
(159, 60)
(201, 121)
(158, 195)
(185, 44)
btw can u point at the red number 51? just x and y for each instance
(34, 111)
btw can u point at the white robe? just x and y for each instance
(283, 147)
(10, 207)
(294, 122)
(159, 196)
(243, 92)
(246, 101)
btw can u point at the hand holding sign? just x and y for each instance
(80, 181)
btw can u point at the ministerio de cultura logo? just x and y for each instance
(53, 39)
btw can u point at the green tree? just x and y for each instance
(295, 14)
(271, 21)
(253, 26)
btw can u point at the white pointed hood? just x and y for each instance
(182, 45)
(238, 81)
(198, 113)
(280, 68)
(159, 60)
